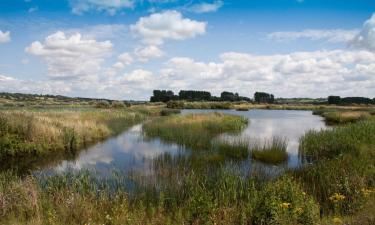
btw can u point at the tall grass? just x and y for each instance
(272, 151)
(194, 131)
(223, 198)
(31, 133)
(343, 165)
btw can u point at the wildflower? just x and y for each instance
(337, 220)
(285, 205)
(337, 197)
(299, 210)
(366, 192)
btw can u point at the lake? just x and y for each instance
(131, 152)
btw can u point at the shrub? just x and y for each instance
(103, 104)
(118, 104)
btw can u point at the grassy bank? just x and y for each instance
(194, 131)
(223, 198)
(342, 175)
(31, 136)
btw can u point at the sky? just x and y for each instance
(124, 49)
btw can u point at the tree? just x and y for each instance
(334, 100)
(263, 97)
(163, 96)
(191, 95)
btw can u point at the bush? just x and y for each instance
(118, 104)
(103, 104)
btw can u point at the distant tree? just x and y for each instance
(229, 96)
(334, 100)
(356, 100)
(163, 96)
(263, 97)
(191, 95)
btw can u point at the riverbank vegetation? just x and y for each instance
(336, 183)
(194, 131)
(272, 151)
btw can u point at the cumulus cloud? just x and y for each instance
(334, 36)
(304, 74)
(149, 52)
(110, 6)
(4, 36)
(366, 37)
(205, 7)
(71, 57)
(158, 27)
(315, 74)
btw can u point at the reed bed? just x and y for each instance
(345, 116)
(42, 132)
(224, 198)
(195, 131)
(272, 151)
(342, 173)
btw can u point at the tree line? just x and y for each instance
(192, 95)
(337, 100)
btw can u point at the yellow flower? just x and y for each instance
(337, 220)
(366, 192)
(337, 197)
(299, 210)
(285, 205)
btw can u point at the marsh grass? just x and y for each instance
(345, 116)
(343, 162)
(272, 151)
(222, 198)
(32, 133)
(237, 149)
(195, 131)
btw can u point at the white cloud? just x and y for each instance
(71, 57)
(314, 74)
(205, 7)
(4, 36)
(149, 52)
(366, 37)
(334, 36)
(301, 74)
(125, 58)
(158, 27)
(110, 6)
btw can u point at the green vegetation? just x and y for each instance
(222, 198)
(335, 185)
(272, 152)
(194, 131)
(342, 175)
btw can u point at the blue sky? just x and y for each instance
(123, 49)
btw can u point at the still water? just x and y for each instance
(130, 152)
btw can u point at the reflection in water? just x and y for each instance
(130, 152)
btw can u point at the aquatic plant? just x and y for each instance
(195, 131)
(272, 151)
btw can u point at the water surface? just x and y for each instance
(130, 152)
